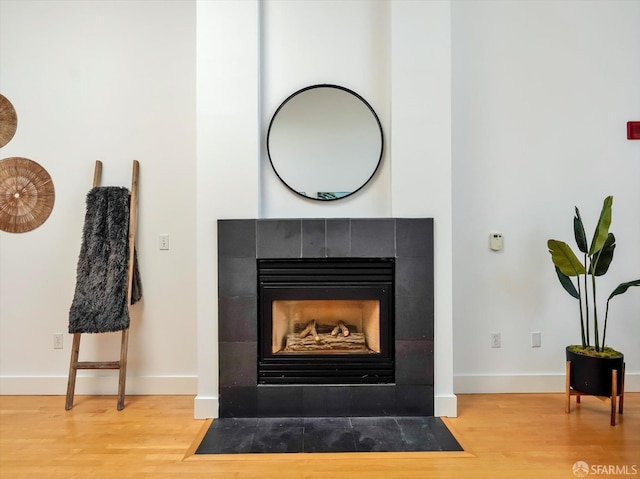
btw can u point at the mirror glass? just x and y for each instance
(325, 142)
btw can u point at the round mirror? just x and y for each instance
(325, 142)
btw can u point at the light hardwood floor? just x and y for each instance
(505, 435)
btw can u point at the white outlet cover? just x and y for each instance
(495, 241)
(536, 339)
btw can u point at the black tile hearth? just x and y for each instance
(327, 434)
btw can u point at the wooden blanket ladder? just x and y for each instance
(121, 364)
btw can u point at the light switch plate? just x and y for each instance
(164, 242)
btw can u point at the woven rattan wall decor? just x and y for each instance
(26, 190)
(8, 121)
(26, 195)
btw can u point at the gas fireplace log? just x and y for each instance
(355, 342)
(310, 329)
(307, 330)
(323, 328)
(340, 327)
(343, 328)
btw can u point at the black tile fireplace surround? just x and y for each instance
(242, 242)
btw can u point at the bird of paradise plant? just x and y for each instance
(595, 262)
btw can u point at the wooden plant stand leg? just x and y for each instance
(567, 380)
(568, 391)
(617, 396)
(621, 402)
(614, 395)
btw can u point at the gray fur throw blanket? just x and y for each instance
(100, 299)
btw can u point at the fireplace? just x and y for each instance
(326, 321)
(259, 377)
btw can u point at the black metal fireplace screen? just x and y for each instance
(326, 321)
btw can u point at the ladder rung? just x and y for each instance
(98, 365)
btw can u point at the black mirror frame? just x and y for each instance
(347, 90)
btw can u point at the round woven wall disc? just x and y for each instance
(8, 121)
(26, 195)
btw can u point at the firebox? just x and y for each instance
(326, 321)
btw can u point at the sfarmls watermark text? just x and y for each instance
(582, 469)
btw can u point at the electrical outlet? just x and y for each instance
(495, 340)
(536, 339)
(57, 340)
(495, 241)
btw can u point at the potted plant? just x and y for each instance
(591, 362)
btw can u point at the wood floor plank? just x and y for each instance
(505, 436)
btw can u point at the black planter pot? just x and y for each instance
(592, 375)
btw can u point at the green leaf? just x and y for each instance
(603, 258)
(623, 287)
(578, 232)
(564, 258)
(567, 284)
(602, 229)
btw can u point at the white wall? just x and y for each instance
(228, 83)
(113, 81)
(542, 94)
(310, 42)
(421, 156)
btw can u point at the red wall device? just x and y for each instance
(633, 130)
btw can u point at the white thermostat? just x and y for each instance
(495, 241)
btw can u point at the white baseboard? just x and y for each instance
(445, 405)
(523, 383)
(208, 406)
(205, 407)
(99, 385)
